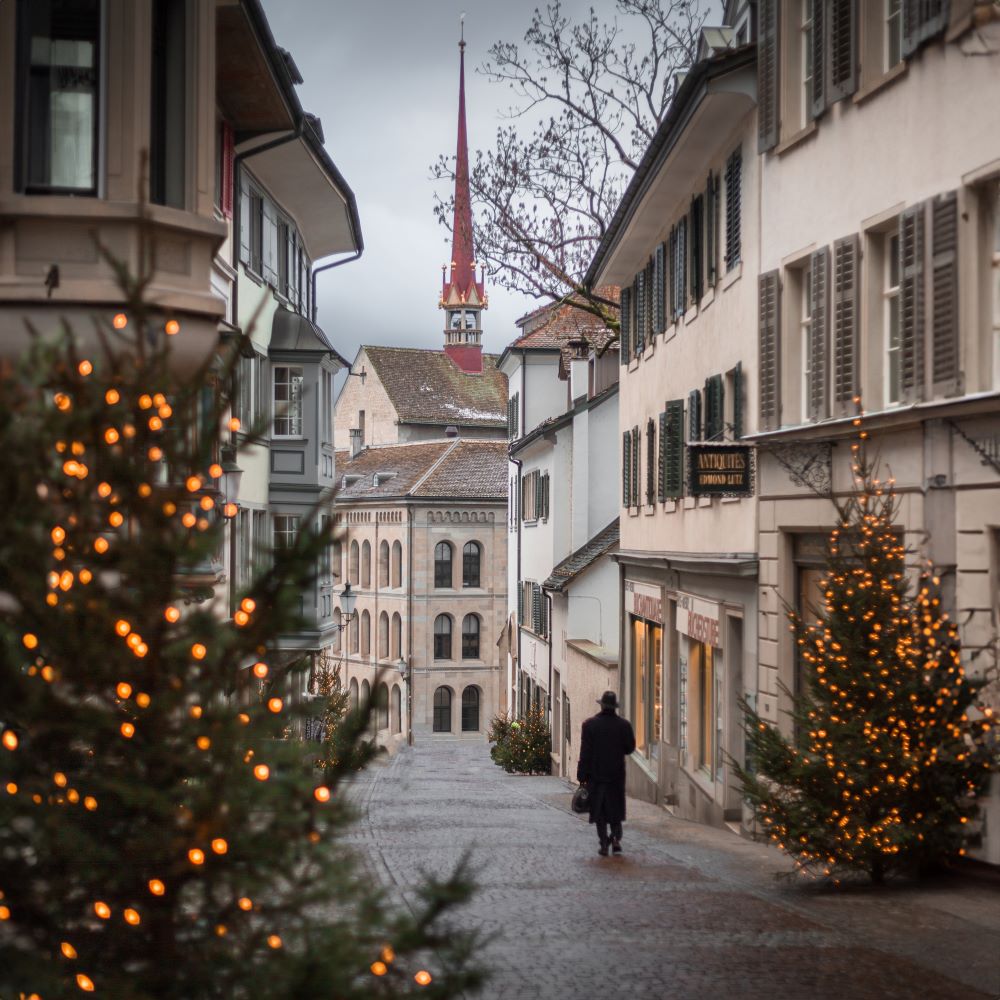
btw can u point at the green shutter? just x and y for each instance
(946, 374)
(819, 269)
(625, 320)
(650, 461)
(738, 401)
(714, 408)
(694, 415)
(842, 48)
(711, 228)
(768, 62)
(769, 291)
(636, 447)
(640, 312)
(672, 449)
(626, 468)
(911, 303)
(661, 479)
(520, 602)
(659, 279)
(844, 324)
(817, 98)
(536, 609)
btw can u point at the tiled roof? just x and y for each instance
(565, 323)
(454, 468)
(427, 387)
(584, 556)
(470, 469)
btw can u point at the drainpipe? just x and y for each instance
(548, 597)
(327, 267)
(409, 625)
(517, 527)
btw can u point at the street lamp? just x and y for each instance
(348, 601)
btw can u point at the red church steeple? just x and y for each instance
(463, 297)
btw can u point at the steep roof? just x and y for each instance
(452, 468)
(427, 387)
(564, 323)
(573, 565)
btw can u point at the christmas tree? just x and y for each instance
(161, 836)
(890, 749)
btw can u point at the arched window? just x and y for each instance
(366, 565)
(470, 564)
(442, 710)
(397, 564)
(338, 630)
(396, 710)
(383, 635)
(396, 644)
(366, 633)
(383, 564)
(355, 633)
(470, 709)
(442, 565)
(338, 559)
(353, 689)
(366, 693)
(442, 638)
(382, 706)
(353, 566)
(470, 637)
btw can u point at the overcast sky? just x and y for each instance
(383, 76)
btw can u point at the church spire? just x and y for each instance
(463, 297)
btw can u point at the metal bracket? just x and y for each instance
(808, 465)
(987, 448)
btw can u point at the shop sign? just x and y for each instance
(720, 470)
(644, 601)
(699, 619)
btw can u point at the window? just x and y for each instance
(471, 557)
(531, 496)
(366, 564)
(671, 451)
(287, 401)
(327, 569)
(646, 685)
(255, 231)
(893, 47)
(703, 670)
(397, 709)
(354, 563)
(168, 119)
(805, 338)
(513, 415)
(326, 407)
(442, 710)
(366, 693)
(470, 709)
(734, 194)
(396, 648)
(442, 565)
(806, 29)
(890, 316)
(383, 635)
(383, 564)
(382, 706)
(442, 637)
(470, 637)
(338, 559)
(355, 631)
(366, 633)
(353, 689)
(397, 564)
(286, 527)
(58, 95)
(650, 462)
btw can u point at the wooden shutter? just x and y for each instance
(680, 274)
(545, 496)
(536, 609)
(659, 279)
(911, 303)
(672, 449)
(922, 19)
(697, 247)
(627, 469)
(846, 253)
(711, 229)
(842, 31)
(661, 481)
(539, 495)
(639, 284)
(819, 270)
(817, 99)
(714, 408)
(520, 602)
(650, 461)
(738, 401)
(734, 194)
(768, 326)
(636, 445)
(946, 375)
(228, 158)
(694, 415)
(768, 77)
(625, 320)
(244, 221)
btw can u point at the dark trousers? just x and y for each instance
(602, 830)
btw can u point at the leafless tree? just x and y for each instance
(544, 194)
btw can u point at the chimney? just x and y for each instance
(451, 431)
(356, 441)
(579, 370)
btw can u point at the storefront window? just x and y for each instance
(647, 686)
(702, 659)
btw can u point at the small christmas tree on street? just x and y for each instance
(890, 750)
(160, 834)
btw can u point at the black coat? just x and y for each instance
(605, 741)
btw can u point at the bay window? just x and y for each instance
(287, 381)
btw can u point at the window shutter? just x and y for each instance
(842, 30)
(228, 158)
(711, 228)
(819, 270)
(714, 408)
(769, 312)
(640, 312)
(697, 247)
(625, 320)
(659, 277)
(661, 478)
(244, 221)
(517, 414)
(536, 609)
(738, 401)
(545, 496)
(911, 303)
(626, 468)
(293, 265)
(636, 445)
(650, 299)
(539, 495)
(946, 374)
(672, 449)
(817, 99)
(767, 75)
(734, 192)
(680, 292)
(694, 415)
(672, 276)
(922, 19)
(650, 461)
(270, 244)
(845, 324)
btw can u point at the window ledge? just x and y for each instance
(900, 69)
(704, 501)
(669, 506)
(732, 276)
(648, 353)
(691, 315)
(794, 140)
(633, 364)
(707, 299)
(632, 511)
(650, 509)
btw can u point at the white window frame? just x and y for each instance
(892, 29)
(806, 68)
(805, 331)
(891, 342)
(284, 528)
(294, 412)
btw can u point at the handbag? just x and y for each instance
(581, 800)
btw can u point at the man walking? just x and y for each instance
(605, 740)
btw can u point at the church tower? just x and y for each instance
(463, 297)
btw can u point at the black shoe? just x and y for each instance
(603, 850)
(616, 845)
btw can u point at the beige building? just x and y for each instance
(421, 537)
(880, 278)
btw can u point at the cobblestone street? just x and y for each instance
(687, 912)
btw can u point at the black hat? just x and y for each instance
(608, 700)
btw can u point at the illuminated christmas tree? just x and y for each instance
(890, 749)
(160, 834)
